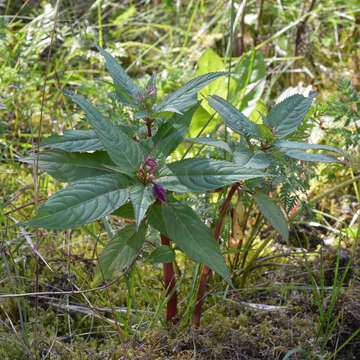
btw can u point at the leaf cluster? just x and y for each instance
(111, 166)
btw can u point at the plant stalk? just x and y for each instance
(169, 274)
(206, 270)
(169, 277)
(148, 126)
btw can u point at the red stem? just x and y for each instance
(206, 270)
(169, 277)
(148, 125)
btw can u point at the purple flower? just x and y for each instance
(159, 192)
(150, 90)
(141, 96)
(150, 163)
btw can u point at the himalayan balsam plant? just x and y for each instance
(111, 168)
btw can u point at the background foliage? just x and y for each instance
(48, 45)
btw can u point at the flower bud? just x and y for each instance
(150, 91)
(150, 163)
(141, 96)
(159, 192)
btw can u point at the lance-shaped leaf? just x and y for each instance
(120, 77)
(299, 145)
(125, 100)
(165, 142)
(123, 150)
(74, 141)
(141, 197)
(272, 213)
(193, 237)
(171, 134)
(121, 251)
(235, 120)
(266, 133)
(83, 202)
(210, 142)
(202, 120)
(162, 254)
(211, 62)
(248, 82)
(182, 98)
(150, 89)
(79, 140)
(126, 211)
(258, 161)
(199, 175)
(242, 154)
(182, 122)
(69, 167)
(286, 116)
(156, 220)
(304, 156)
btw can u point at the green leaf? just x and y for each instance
(246, 158)
(235, 120)
(83, 202)
(199, 175)
(79, 140)
(286, 116)
(126, 211)
(165, 142)
(299, 145)
(258, 161)
(152, 81)
(272, 213)
(121, 251)
(69, 167)
(124, 17)
(210, 142)
(120, 77)
(200, 119)
(170, 135)
(162, 254)
(185, 96)
(152, 85)
(141, 197)
(124, 100)
(74, 141)
(266, 133)
(211, 62)
(304, 156)
(259, 111)
(193, 237)
(158, 115)
(248, 78)
(242, 154)
(156, 220)
(123, 150)
(182, 122)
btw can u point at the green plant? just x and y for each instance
(117, 164)
(264, 147)
(326, 302)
